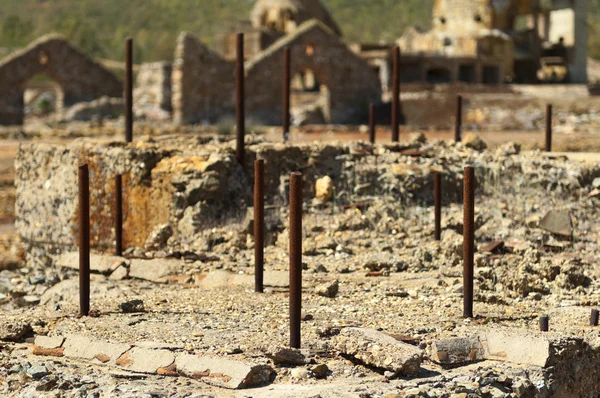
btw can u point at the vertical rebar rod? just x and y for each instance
(459, 113)
(549, 128)
(372, 123)
(239, 101)
(544, 323)
(437, 198)
(129, 89)
(286, 93)
(259, 224)
(594, 318)
(295, 258)
(118, 215)
(84, 240)
(468, 239)
(396, 96)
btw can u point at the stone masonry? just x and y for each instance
(80, 78)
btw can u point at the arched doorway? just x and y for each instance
(310, 99)
(42, 96)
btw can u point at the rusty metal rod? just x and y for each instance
(437, 198)
(286, 93)
(459, 113)
(295, 258)
(396, 96)
(549, 128)
(129, 89)
(372, 123)
(84, 240)
(594, 318)
(544, 323)
(239, 101)
(259, 224)
(118, 215)
(468, 239)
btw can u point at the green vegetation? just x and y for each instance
(99, 27)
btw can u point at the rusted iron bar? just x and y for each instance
(396, 96)
(594, 318)
(118, 215)
(549, 128)
(468, 239)
(84, 240)
(295, 258)
(437, 198)
(459, 113)
(259, 224)
(372, 123)
(544, 323)
(239, 101)
(286, 93)
(129, 89)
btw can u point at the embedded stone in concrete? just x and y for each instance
(48, 346)
(557, 222)
(14, 329)
(289, 356)
(155, 270)
(222, 372)
(516, 346)
(377, 349)
(144, 360)
(82, 347)
(98, 263)
(457, 351)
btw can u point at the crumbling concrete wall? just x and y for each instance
(152, 93)
(81, 79)
(352, 84)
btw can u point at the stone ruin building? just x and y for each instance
(81, 79)
(496, 41)
(471, 41)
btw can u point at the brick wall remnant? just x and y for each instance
(80, 78)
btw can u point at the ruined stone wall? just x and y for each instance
(351, 82)
(152, 93)
(203, 83)
(80, 78)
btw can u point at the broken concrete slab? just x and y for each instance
(457, 351)
(516, 346)
(98, 263)
(279, 279)
(223, 372)
(377, 349)
(145, 360)
(557, 222)
(82, 347)
(154, 270)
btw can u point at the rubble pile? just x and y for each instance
(382, 300)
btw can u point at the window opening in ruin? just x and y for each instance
(438, 76)
(43, 58)
(443, 20)
(309, 98)
(477, 18)
(491, 74)
(466, 73)
(42, 96)
(310, 49)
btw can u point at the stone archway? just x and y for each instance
(80, 78)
